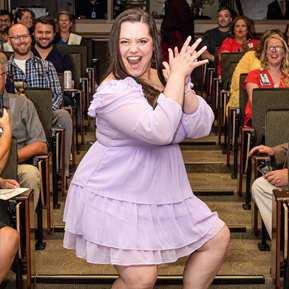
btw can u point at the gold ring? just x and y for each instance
(189, 52)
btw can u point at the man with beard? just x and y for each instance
(216, 36)
(44, 31)
(37, 72)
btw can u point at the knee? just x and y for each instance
(142, 279)
(29, 176)
(10, 239)
(62, 118)
(260, 188)
(224, 236)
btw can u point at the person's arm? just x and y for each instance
(208, 55)
(278, 178)
(55, 87)
(261, 150)
(249, 88)
(31, 150)
(9, 184)
(280, 155)
(35, 142)
(5, 139)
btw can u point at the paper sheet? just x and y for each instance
(6, 194)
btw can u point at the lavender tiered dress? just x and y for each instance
(130, 202)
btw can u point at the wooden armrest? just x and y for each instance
(68, 107)
(261, 157)
(246, 129)
(43, 157)
(24, 196)
(211, 69)
(281, 195)
(57, 128)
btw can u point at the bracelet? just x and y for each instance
(0, 182)
(187, 90)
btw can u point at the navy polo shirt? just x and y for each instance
(59, 59)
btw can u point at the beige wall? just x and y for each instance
(104, 26)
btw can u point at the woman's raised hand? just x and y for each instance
(184, 62)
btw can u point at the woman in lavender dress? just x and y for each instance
(130, 203)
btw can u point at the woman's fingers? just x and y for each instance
(196, 44)
(167, 68)
(176, 51)
(186, 44)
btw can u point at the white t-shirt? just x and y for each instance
(21, 64)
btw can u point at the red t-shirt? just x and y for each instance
(254, 77)
(232, 45)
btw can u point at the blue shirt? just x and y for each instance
(59, 59)
(61, 42)
(39, 73)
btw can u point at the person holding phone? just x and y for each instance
(262, 188)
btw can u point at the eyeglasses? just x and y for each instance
(18, 37)
(4, 21)
(278, 48)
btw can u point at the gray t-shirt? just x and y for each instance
(25, 124)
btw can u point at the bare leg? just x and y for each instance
(204, 264)
(9, 241)
(132, 277)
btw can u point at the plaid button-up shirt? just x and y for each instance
(39, 73)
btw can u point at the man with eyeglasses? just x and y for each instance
(37, 72)
(44, 31)
(215, 37)
(5, 21)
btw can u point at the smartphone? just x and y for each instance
(265, 168)
(1, 105)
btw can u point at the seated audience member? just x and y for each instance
(6, 47)
(65, 36)
(9, 240)
(5, 21)
(92, 9)
(24, 16)
(240, 39)
(262, 188)
(44, 31)
(38, 73)
(273, 71)
(28, 131)
(250, 61)
(215, 37)
(279, 9)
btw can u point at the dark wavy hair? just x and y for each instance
(116, 66)
(248, 24)
(260, 45)
(19, 13)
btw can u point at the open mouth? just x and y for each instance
(134, 62)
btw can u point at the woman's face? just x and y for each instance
(64, 23)
(273, 55)
(26, 19)
(136, 48)
(240, 29)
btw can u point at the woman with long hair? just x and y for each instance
(241, 39)
(130, 203)
(273, 71)
(250, 61)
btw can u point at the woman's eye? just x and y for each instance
(123, 42)
(143, 41)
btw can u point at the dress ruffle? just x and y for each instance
(137, 234)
